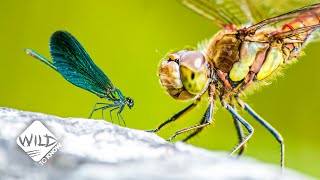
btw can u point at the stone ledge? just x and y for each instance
(96, 149)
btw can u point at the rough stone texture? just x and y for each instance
(96, 149)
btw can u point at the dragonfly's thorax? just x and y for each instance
(239, 62)
(223, 50)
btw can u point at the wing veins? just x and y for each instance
(286, 16)
(74, 64)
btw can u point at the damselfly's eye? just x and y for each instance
(193, 71)
(129, 102)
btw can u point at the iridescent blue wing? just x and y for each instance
(76, 66)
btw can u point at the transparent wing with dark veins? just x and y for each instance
(242, 12)
(75, 65)
(287, 17)
(221, 12)
(295, 32)
(261, 10)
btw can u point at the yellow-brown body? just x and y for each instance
(234, 59)
(239, 61)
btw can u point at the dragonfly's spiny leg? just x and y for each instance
(208, 120)
(196, 127)
(239, 131)
(95, 109)
(244, 122)
(176, 116)
(271, 129)
(203, 120)
(194, 133)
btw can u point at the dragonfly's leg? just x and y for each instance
(243, 122)
(195, 132)
(264, 123)
(239, 131)
(208, 121)
(95, 109)
(176, 116)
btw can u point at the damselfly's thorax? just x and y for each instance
(119, 99)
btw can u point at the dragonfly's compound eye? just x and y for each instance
(193, 72)
(169, 74)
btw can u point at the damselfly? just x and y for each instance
(71, 60)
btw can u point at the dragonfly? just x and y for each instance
(71, 60)
(247, 52)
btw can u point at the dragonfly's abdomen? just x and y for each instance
(307, 19)
(292, 50)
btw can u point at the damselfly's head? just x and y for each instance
(184, 74)
(129, 102)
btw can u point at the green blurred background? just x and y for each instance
(127, 40)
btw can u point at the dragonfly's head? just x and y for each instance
(184, 74)
(129, 102)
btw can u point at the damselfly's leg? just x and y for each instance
(110, 112)
(239, 131)
(102, 111)
(176, 116)
(102, 114)
(95, 109)
(102, 108)
(119, 115)
(206, 119)
(242, 121)
(264, 123)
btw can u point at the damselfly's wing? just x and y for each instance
(75, 65)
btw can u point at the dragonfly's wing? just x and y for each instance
(75, 65)
(261, 10)
(315, 36)
(242, 12)
(221, 12)
(280, 20)
(295, 32)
